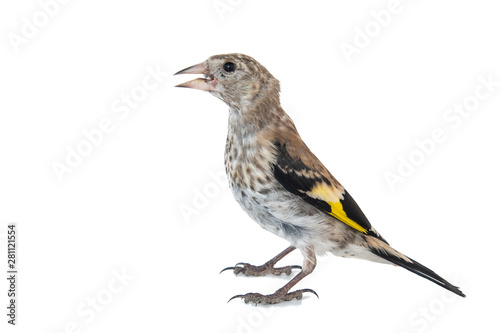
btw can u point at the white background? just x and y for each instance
(120, 210)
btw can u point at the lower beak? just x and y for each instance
(206, 84)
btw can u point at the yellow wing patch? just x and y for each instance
(338, 213)
(332, 195)
(326, 193)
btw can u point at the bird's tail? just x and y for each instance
(386, 252)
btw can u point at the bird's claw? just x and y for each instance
(251, 270)
(275, 298)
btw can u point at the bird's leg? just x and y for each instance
(284, 294)
(267, 268)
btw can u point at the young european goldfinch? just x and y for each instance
(281, 185)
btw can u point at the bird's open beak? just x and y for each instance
(206, 84)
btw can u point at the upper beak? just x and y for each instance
(206, 84)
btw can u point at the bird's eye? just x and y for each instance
(229, 67)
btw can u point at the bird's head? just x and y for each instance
(237, 79)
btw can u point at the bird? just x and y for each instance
(282, 185)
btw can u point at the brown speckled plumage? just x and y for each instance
(281, 184)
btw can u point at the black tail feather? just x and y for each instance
(419, 269)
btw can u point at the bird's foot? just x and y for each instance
(251, 270)
(275, 298)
